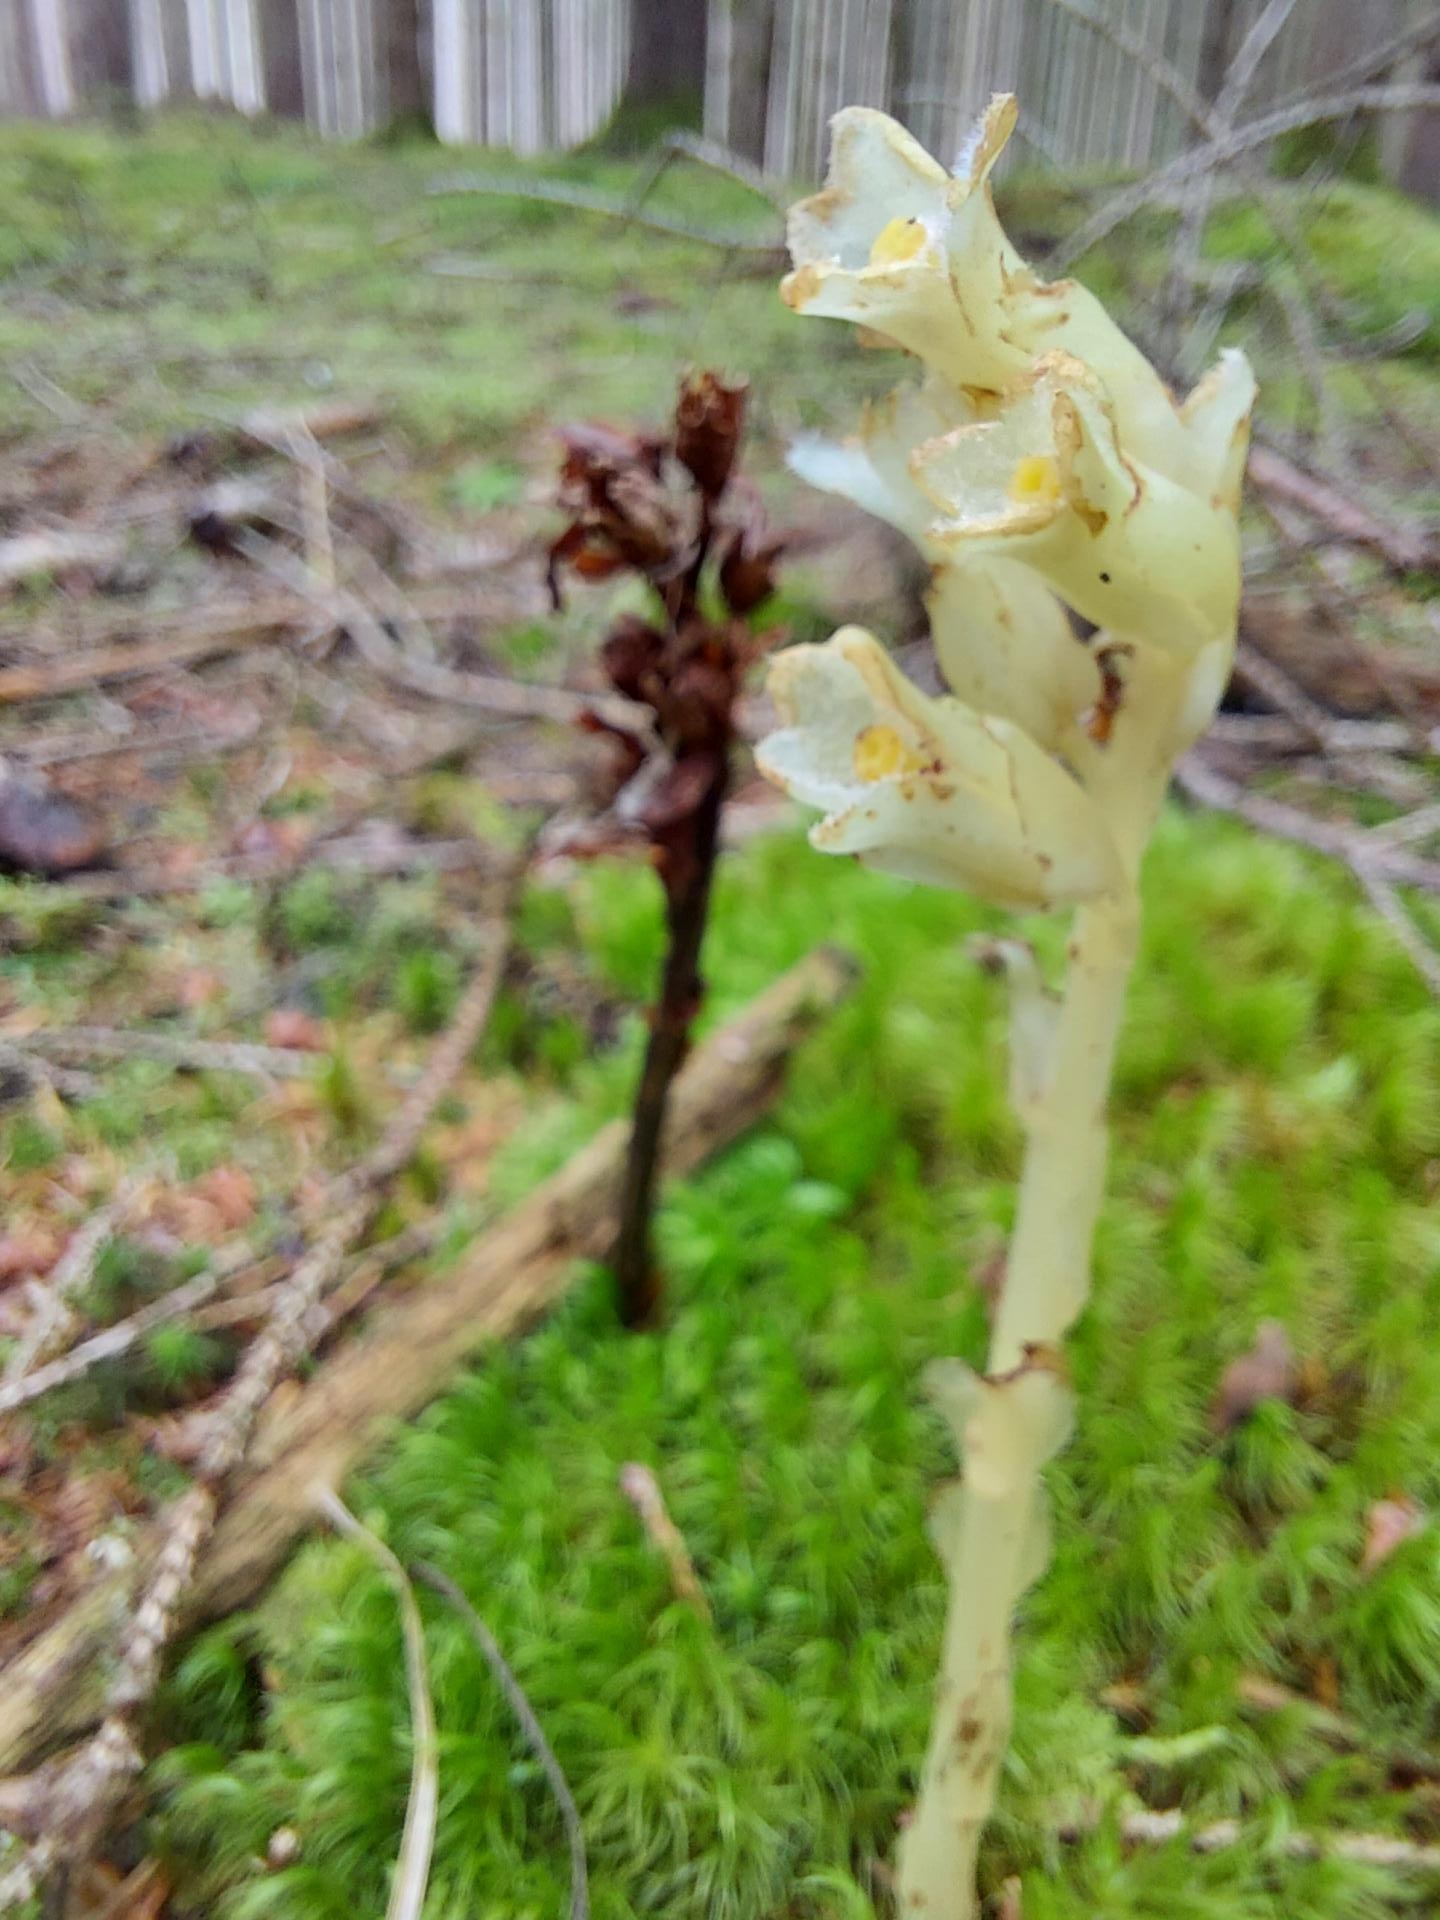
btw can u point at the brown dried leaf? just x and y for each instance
(199, 987)
(27, 1251)
(1388, 1525)
(292, 1027)
(1267, 1372)
(230, 1190)
(709, 420)
(632, 654)
(748, 568)
(678, 793)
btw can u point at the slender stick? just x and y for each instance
(529, 1726)
(417, 1840)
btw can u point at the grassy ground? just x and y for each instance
(215, 264)
(1277, 1155)
(1277, 1136)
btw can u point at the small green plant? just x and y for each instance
(1046, 473)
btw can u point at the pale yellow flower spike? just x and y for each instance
(1044, 471)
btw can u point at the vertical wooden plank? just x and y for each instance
(398, 41)
(204, 55)
(719, 69)
(245, 74)
(452, 61)
(528, 134)
(50, 53)
(278, 33)
(314, 63)
(17, 92)
(149, 62)
(780, 99)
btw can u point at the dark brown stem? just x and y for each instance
(637, 1281)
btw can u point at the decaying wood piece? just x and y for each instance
(55, 1688)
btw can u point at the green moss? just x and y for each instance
(1270, 1159)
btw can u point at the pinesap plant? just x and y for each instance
(1081, 527)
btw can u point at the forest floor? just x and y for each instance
(1242, 1620)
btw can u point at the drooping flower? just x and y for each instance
(1048, 481)
(1041, 464)
(1004, 643)
(928, 788)
(918, 255)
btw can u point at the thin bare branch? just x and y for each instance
(1397, 98)
(1406, 549)
(179, 1050)
(1143, 1827)
(1368, 858)
(642, 1490)
(417, 1839)
(1166, 76)
(1391, 908)
(530, 1726)
(73, 1272)
(491, 692)
(1384, 58)
(563, 193)
(1268, 25)
(1185, 257)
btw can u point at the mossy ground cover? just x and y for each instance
(1277, 1152)
(1277, 1155)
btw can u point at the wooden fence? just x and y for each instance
(544, 75)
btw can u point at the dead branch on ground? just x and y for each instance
(409, 1352)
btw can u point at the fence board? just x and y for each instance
(539, 75)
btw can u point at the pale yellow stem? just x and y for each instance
(996, 1544)
(1047, 1275)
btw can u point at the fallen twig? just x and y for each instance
(642, 1490)
(1397, 98)
(493, 693)
(1378, 860)
(349, 1294)
(563, 193)
(1144, 1827)
(404, 1358)
(180, 1050)
(1349, 844)
(160, 743)
(1391, 908)
(36, 1072)
(25, 556)
(222, 631)
(417, 1840)
(112, 1342)
(1406, 549)
(73, 1272)
(529, 1726)
(86, 1789)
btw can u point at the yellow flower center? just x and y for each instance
(880, 754)
(1035, 481)
(901, 240)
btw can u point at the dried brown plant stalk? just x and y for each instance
(670, 510)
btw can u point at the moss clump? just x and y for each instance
(1276, 1136)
